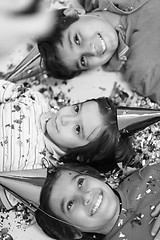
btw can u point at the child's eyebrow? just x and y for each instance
(69, 40)
(93, 133)
(84, 135)
(90, 134)
(77, 66)
(83, 132)
(62, 204)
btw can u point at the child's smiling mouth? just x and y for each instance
(97, 203)
(103, 44)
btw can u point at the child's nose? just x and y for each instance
(67, 119)
(86, 198)
(93, 49)
(90, 49)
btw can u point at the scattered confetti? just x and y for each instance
(146, 144)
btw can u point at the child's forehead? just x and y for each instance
(72, 174)
(65, 179)
(83, 18)
(68, 172)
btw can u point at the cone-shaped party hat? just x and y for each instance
(30, 66)
(132, 119)
(24, 185)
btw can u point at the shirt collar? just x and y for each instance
(123, 7)
(123, 47)
(120, 56)
(124, 215)
(53, 148)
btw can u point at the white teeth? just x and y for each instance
(97, 204)
(103, 43)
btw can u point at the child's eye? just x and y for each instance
(83, 61)
(80, 182)
(69, 205)
(77, 129)
(76, 108)
(76, 39)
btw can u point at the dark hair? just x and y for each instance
(49, 48)
(108, 148)
(47, 220)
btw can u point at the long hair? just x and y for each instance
(108, 148)
(49, 222)
(49, 48)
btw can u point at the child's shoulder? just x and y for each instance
(147, 172)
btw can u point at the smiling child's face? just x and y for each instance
(88, 43)
(84, 201)
(74, 126)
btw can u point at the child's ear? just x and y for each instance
(73, 12)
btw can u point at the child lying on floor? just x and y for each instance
(120, 35)
(76, 203)
(34, 136)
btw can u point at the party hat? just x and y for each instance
(132, 119)
(30, 66)
(24, 185)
